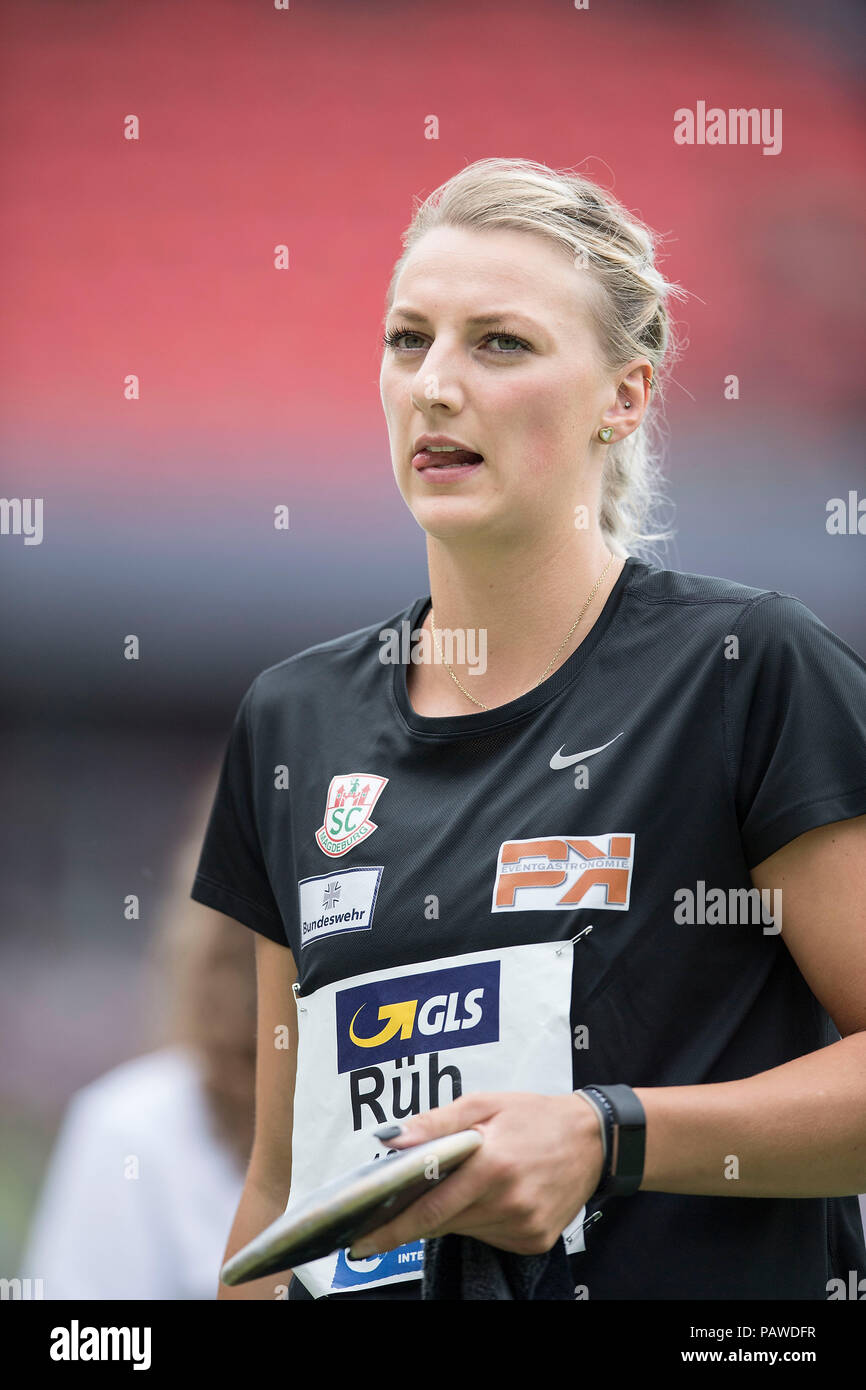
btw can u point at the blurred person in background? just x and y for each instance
(148, 1166)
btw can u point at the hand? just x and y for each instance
(540, 1162)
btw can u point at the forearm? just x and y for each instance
(798, 1130)
(257, 1208)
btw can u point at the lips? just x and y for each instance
(427, 458)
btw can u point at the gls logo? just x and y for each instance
(429, 1012)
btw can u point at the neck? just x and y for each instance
(523, 603)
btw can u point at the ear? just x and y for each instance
(632, 398)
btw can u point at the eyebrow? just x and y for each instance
(477, 320)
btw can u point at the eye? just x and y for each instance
(393, 340)
(508, 338)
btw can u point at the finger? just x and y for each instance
(463, 1113)
(451, 1195)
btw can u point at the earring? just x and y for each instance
(606, 433)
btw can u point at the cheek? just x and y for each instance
(391, 411)
(540, 426)
(387, 392)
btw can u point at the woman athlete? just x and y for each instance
(571, 850)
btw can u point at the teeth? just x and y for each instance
(440, 448)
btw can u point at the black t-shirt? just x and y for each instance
(699, 727)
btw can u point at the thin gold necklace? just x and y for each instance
(553, 658)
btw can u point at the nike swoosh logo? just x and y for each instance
(559, 761)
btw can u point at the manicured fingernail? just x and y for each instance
(388, 1131)
(360, 1252)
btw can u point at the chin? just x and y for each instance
(448, 518)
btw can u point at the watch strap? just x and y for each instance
(624, 1133)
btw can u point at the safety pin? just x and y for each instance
(596, 1216)
(573, 939)
(296, 991)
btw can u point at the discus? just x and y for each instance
(340, 1212)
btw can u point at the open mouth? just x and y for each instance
(437, 458)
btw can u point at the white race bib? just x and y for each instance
(383, 1046)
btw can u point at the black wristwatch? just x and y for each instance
(623, 1123)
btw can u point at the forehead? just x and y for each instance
(476, 270)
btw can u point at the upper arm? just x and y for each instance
(276, 1054)
(822, 875)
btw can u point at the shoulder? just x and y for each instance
(710, 604)
(652, 584)
(331, 661)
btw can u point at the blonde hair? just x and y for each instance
(630, 304)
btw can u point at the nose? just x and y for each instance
(436, 385)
